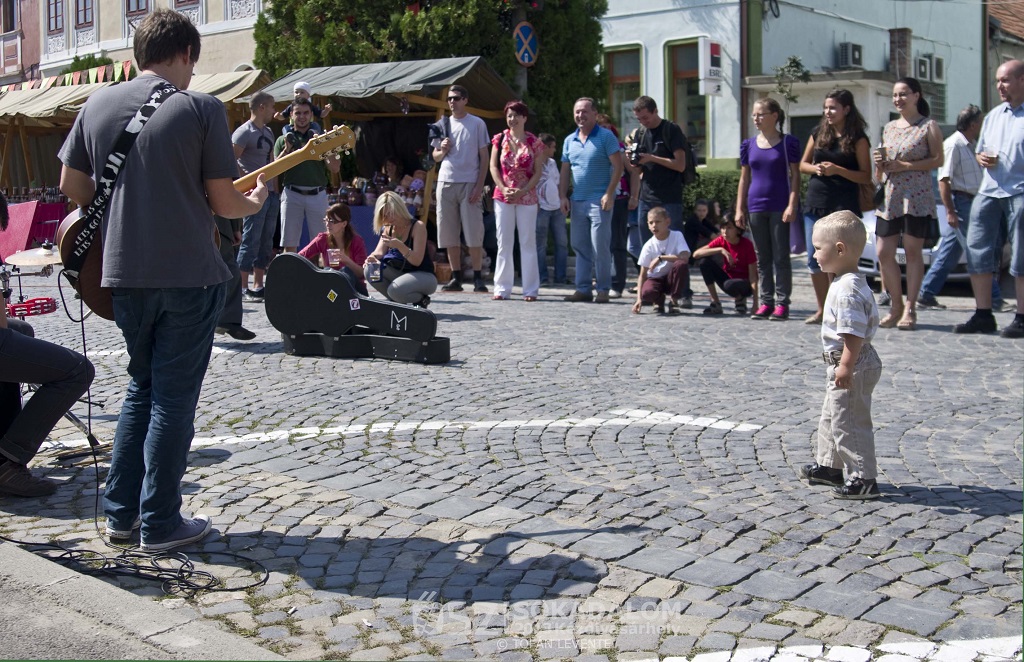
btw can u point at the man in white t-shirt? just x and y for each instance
(463, 155)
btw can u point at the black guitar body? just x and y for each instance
(319, 313)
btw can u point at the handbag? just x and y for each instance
(872, 195)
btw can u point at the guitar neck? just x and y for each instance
(274, 168)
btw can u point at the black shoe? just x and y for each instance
(928, 301)
(714, 309)
(236, 332)
(252, 296)
(424, 302)
(741, 306)
(659, 308)
(478, 285)
(977, 324)
(454, 285)
(856, 488)
(815, 474)
(17, 480)
(1014, 330)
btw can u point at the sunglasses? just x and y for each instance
(334, 221)
(456, 98)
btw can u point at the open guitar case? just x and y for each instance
(319, 313)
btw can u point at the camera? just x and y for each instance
(634, 151)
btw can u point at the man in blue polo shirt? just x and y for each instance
(593, 156)
(999, 203)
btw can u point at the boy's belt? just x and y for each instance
(833, 357)
(306, 191)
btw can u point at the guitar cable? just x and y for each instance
(175, 572)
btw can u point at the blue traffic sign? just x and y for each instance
(526, 44)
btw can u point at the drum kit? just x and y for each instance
(45, 257)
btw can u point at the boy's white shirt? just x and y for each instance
(673, 244)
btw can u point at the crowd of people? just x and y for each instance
(158, 215)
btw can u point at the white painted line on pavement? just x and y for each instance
(619, 418)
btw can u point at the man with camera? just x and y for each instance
(303, 187)
(659, 154)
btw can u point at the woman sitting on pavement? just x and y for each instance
(400, 267)
(348, 248)
(737, 276)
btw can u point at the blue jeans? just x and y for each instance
(809, 221)
(992, 218)
(62, 375)
(257, 245)
(620, 237)
(948, 252)
(590, 232)
(633, 243)
(554, 222)
(675, 214)
(169, 336)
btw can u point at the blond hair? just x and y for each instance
(389, 206)
(844, 226)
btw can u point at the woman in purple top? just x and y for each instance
(767, 199)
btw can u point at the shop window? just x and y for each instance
(689, 106)
(181, 4)
(54, 16)
(623, 86)
(83, 13)
(136, 7)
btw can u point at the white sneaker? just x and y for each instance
(614, 294)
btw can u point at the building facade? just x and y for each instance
(71, 28)
(862, 46)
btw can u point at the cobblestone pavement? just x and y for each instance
(584, 483)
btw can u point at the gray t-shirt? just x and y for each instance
(257, 146)
(158, 229)
(462, 164)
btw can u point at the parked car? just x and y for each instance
(868, 263)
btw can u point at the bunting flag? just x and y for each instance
(76, 77)
(47, 82)
(35, 84)
(92, 74)
(127, 69)
(118, 72)
(67, 79)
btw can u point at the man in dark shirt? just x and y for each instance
(660, 157)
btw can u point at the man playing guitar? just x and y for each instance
(166, 275)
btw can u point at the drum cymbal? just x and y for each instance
(36, 257)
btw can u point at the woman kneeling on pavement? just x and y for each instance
(400, 268)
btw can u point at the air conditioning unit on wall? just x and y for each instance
(851, 56)
(938, 68)
(923, 68)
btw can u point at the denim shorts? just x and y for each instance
(989, 217)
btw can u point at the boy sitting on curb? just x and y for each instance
(664, 265)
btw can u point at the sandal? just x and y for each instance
(498, 297)
(529, 298)
(892, 319)
(909, 321)
(813, 319)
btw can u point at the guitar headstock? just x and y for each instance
(337, 140)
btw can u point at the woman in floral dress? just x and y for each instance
(911, 150)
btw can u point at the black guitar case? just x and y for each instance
(319, 313)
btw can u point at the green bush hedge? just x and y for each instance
(713, 185)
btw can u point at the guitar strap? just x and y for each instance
(115, 160)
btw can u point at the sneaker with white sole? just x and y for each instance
(17, 480)
(189, 531)
(123, 534)
(857, 488)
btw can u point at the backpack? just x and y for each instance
(438, 130)
(690, 175)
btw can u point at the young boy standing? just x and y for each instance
(664, 264)
(846, 438)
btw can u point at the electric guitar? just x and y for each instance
(87, 284)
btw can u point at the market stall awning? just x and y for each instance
(46, 108)
(229, 86)
(379, 88)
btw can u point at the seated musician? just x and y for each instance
(62, 375)
(342, 237)
(406, 271)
